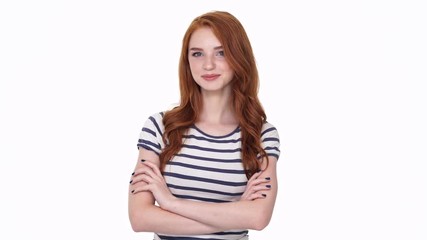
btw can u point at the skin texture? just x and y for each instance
(245, 107)
(172, 215)
(207, 58)
(224, 216)
(147, 183)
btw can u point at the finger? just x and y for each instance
(143, 170)
(140, 169)
(143, 177)
(153, 167)
(137, 179)
(154, 174)
(261, 188)
(258, 196)
(257, 182)
(253, 196)
(142, 166)
(255, 176)
(145, 188)
(260, 181)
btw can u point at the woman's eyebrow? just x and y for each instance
(201, 49)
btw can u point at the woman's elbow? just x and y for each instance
(136, 227)
(261, 219)
(261, 223)
(138, 223)
(262, 215)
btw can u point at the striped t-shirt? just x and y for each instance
(208, 168)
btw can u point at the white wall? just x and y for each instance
(341, 80)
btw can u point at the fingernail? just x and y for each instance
(130, 181)
(132, 191)
(133, 173)
(269, 186)
(142, 160)
(267, 178)
(264, 195)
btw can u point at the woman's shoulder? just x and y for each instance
(268, 126)
(269, 129)
(157, 115)
(155, 119)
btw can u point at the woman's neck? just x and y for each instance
(217, 109)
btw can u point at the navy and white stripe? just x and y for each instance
(207, 168)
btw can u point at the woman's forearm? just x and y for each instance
(151, 218)
(203, 217)
(144, 216)
(254, 214)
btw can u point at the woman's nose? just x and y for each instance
(209, 63)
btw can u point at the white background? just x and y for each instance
(341, 80)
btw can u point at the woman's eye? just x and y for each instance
(196, 54)
(220, 53)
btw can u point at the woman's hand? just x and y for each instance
(255, 188)
(150, 174)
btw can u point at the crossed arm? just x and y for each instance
(173, 215)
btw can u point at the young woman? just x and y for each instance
(207, 168)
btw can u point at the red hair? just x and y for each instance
(248, 109)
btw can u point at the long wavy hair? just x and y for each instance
(248, 109)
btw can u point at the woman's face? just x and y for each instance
(208, 65)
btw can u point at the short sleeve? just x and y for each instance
(151, 134)
(270, 140)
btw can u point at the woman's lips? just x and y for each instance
(210, 77)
